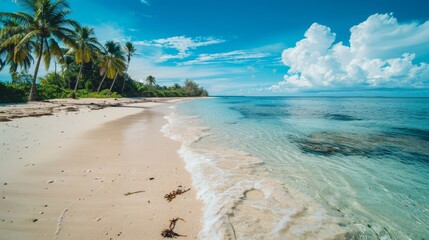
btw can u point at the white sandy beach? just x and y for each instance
(64, 176)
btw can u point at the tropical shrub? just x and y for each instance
(84, 93)
(192, 89)
(12, 94)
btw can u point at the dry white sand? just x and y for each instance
(64, 176)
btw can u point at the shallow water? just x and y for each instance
(308, 168)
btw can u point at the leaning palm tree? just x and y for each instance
(130, 50)
(150, 80)
(120, 71)
(43, 26)
(84, 48)
(119, 67)
(112, 60)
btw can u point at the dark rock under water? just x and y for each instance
(260, 112)
(330, 143)
(341, 117)
(406, 147)
(412, 132)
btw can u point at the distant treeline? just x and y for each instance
(18, 92)
(44, 35)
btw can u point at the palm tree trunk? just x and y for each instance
(33, 91)
(13, 72)
(101, 83)
(113, 83)
(67, 74)
(55, 70)
(73, 95)
(123, 84)
(125, 75)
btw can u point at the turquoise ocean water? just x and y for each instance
(308, 168)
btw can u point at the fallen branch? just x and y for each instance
(170, 196)
(169, 233)
(129, 193)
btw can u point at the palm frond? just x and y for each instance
(27, 38)
(19, 17)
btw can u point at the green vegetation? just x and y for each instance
(36, 32)
(9, 93)
(86, 68)
(84, 49)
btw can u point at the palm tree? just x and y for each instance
(8, 52)
(45, 23)
(130, 50)
(176, 86)
(112, 61)
(119, 67)
(84, 49)
(150, 81)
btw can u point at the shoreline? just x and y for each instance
(10, 111)
(65, 176)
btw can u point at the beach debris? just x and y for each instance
(151, 178)
(40, 114)
(35, 220)
(51, 181)
(71, 109)
(130, 193)
(172, 195)
(170, 233)
(4, 119)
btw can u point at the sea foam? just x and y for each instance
(241, 199)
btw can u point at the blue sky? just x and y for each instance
(256, 47)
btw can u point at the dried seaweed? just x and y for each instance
(72, 109)
(4, 119)
(170, 233)
(129, 193)
(170, 196)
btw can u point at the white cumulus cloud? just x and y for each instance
(381, 54)
(182, 44)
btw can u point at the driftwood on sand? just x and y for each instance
(130, 193)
